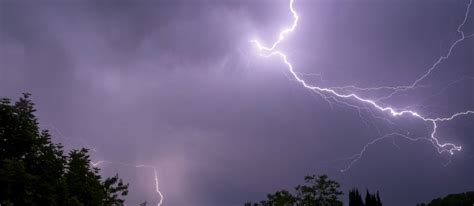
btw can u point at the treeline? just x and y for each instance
(462, 199)
(35, 171)
(321, 191)
(318, 191)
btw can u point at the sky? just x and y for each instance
(178, 85)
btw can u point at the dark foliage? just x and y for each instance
(372, 199)
(462, 199)
(35, 171)
(317, 191)
(355, 199)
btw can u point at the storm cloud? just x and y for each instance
(176, 84)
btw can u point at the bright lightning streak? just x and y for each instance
(101, 162)
(155, 174)
(157, 187)
(283, 33)
(440, 147)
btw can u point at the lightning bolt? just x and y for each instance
(450, 148)
(155, 174)
(53, 128)
(103, 162)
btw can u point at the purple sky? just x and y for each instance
(176, 84)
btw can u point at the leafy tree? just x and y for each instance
(280, 198)
(82, 181)
(114, 188)
(317, 191)
(35, 171)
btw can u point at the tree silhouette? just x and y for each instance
(354, 198)
(461, 199)
(317, 191)
(372, 199)
(379, 201)
(35, 171)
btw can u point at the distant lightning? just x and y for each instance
(155, 174)
(61, 135)
(415, 83)
(450, 148)
(450, 50)
(102, 162)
